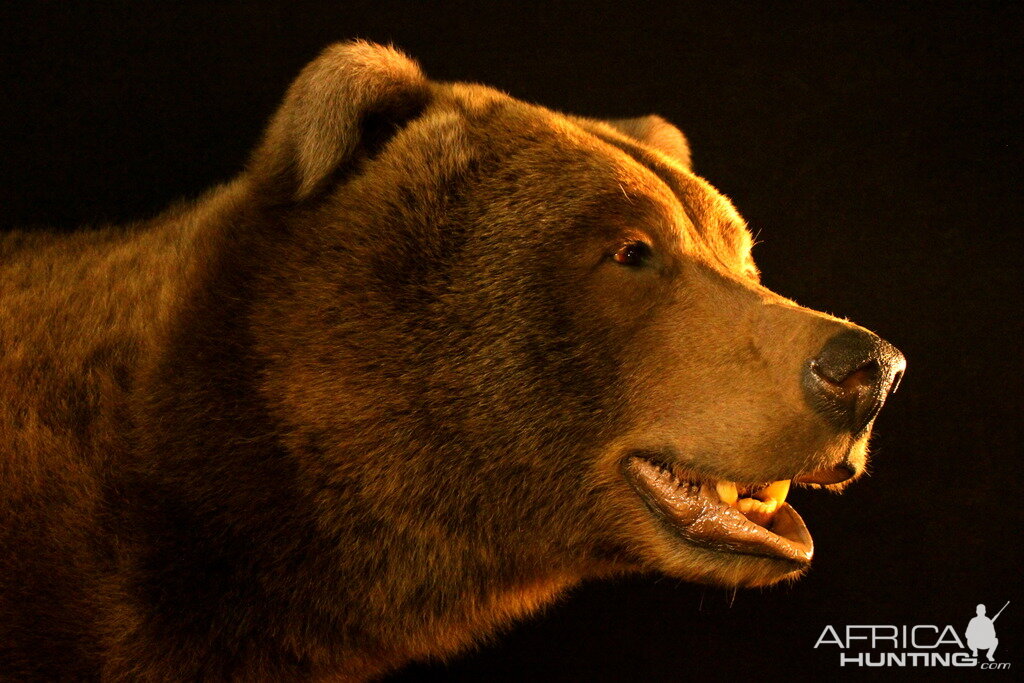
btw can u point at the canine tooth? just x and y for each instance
(777, 491)
(727, 492)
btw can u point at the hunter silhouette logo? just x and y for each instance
(921, 645)
(981, 633)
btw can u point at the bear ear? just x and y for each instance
(658, 133)
(343, 107)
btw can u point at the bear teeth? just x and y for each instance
(772, 495)
(727, 492)
(757, 502)
(777, 491)
(760, 505)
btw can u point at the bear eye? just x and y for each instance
(632, 254)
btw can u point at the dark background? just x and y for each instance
(875, 154)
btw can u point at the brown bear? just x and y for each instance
(434, 356)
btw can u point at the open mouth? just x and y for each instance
(725, 516)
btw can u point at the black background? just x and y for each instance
(873, 151)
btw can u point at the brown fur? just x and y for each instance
(367, 402)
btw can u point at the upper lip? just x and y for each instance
(826, 476)
(691, 509)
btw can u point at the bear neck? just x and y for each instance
(230, 546)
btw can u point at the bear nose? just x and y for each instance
(850, 379)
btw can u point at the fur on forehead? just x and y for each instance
(353, 100)
(537, 162)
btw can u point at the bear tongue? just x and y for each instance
(701, 518)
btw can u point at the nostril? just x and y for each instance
(865, 375)
(896, 379)
(849, 386)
